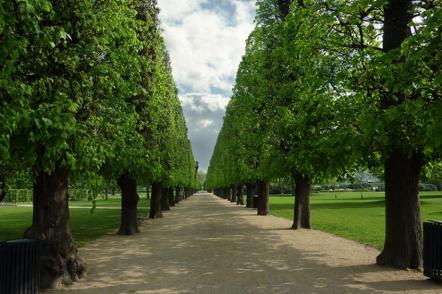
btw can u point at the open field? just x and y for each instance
(85, 226)
(351, 217)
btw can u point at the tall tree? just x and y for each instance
(71, 58)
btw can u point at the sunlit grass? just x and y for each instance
(86, 226)
(345, 214)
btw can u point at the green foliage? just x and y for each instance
(317, 95)
(88, 84)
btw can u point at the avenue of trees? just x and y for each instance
(87, 95)
(328, 87)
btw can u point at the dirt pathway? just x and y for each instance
(207, 245)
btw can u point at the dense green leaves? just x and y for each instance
(317, 94)
(88, 84)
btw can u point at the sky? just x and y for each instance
(206, 40)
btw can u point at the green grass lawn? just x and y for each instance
(85, 226)
(345, 214)
(112, 201)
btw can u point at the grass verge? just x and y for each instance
(351, 216)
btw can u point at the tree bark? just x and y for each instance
(226, 194)
(155, 201)
(249, 199)
(239, 195)
(233, 194)
(403, 233)
(301, 218)
(171, 197)
(60, 263)
(129, 203)
(165, 200)
(177, 195)
(2, 187)
(263, 197)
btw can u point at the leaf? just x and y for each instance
(47, 121)
(46, 6)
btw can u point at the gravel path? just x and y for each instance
(208, 245)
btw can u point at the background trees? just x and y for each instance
(332, 85)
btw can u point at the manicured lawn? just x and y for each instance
(112, 201)
(350, 217)
(85, 226)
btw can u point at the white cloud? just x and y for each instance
(205, 39)
(201, 102)
(205, 45)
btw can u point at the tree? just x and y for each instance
(72, 62)
(316, 74)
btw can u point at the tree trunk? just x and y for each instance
(129, 203)
(60, 263)
(403, 235)
(155, 201)
(2, 188)
(165, 200)
(233, 194)
(249, 192)
(239, 196)
(171, 197)
(177, 195)
(147, 193)
(263, 197)
(301, 218)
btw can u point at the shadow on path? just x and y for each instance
(207, 245)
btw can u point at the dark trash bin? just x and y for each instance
(433, 250)
(255, 201)
(19, 266)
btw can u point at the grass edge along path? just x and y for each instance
(352, 216)
(86, 226)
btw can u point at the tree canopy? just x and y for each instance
(329, 86)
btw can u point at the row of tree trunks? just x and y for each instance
(301, 216)
(263, 197)
(155, 201)
(171, 197)
(165, 200)
(233, 194)
(60, 263)
(178, 195)
(250, 188)
(239, 195)
(129, 204)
